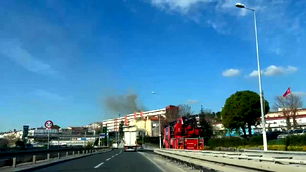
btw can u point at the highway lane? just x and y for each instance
(113, 161)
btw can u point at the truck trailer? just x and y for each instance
(130, 140)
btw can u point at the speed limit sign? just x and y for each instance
(48, 124)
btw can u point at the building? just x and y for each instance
(147, 121)
(94, 126)
(276, 121)
(17, 134)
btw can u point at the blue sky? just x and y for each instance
(60, 59)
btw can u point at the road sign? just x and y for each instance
(48, 124)
(103, 135)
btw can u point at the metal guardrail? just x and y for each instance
(276, 152)
(15, 159)
(235, 159)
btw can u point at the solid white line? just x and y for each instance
(97, 166)
(158, 166)
(108, 159)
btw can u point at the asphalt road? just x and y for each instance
(113, 161)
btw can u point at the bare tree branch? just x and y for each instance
(289, 106)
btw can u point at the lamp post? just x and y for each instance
(239, 5)
(118, 131)
(159, 133)
(159, 127)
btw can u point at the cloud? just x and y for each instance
(278, 70)
(254, 73)
(299, 93)
(208, 12)
(231, 72)
(182, 6)
(273, 70)
(286, 15)
(12, 49)
(47, 95)
(190, 101)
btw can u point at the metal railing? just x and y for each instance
(18, 158)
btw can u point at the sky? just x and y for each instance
(60, 59)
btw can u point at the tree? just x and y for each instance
(11, 139)
(121, 133)
(3, 143)
(242, 110)
(172, 113)
(20, 144)
(184, 110)
(289, 106)
(218, 117)
(206, 126)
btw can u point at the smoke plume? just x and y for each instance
(124, 104)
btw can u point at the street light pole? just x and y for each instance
(159, 127)
(264, 134)
(159, 133)
(118, 123)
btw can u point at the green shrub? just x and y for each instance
(276, 142)
(226, 142)
(255, 140)
(293, 140)
(277, 147)
(296, 148)
(89, 145)
(291, 143)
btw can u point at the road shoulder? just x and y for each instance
(164, 164)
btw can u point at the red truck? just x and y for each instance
(184, 133)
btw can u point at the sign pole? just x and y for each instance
(48, 138)
(48, 125)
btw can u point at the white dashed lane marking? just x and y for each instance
(97, 166)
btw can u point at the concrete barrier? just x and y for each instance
(214, 161)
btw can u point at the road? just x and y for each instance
(112, 161)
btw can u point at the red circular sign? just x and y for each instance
(48, 124)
